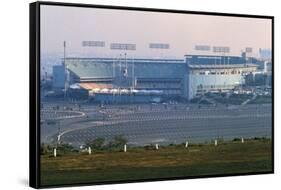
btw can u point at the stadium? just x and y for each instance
(128, 80)
(152, 100)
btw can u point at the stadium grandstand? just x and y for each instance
(113, 80)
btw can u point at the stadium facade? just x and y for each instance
(111, 80)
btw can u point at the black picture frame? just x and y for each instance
(34, 88)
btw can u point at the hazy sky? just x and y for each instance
(181, 31)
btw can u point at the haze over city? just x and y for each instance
(181, 31)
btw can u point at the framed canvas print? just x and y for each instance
(122, 94)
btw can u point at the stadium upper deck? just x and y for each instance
(105, 68)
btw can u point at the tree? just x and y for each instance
(45, 149)
(96, 144)
(118, 141)
(65, 148)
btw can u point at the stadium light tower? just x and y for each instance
(113, 66)
(120, 64)
(65, 68)
(160, 47)
(202, 47)
(133, 73)
(93, 43)
(248, 51)
(222, 50)
(125, 71)
(64, 46)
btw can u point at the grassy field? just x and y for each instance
(169, 161)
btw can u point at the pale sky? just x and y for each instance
(181, 31)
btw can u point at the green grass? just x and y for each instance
(170, 161)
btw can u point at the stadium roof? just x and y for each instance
(117, 59)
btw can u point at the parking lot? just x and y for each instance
(144, 124)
